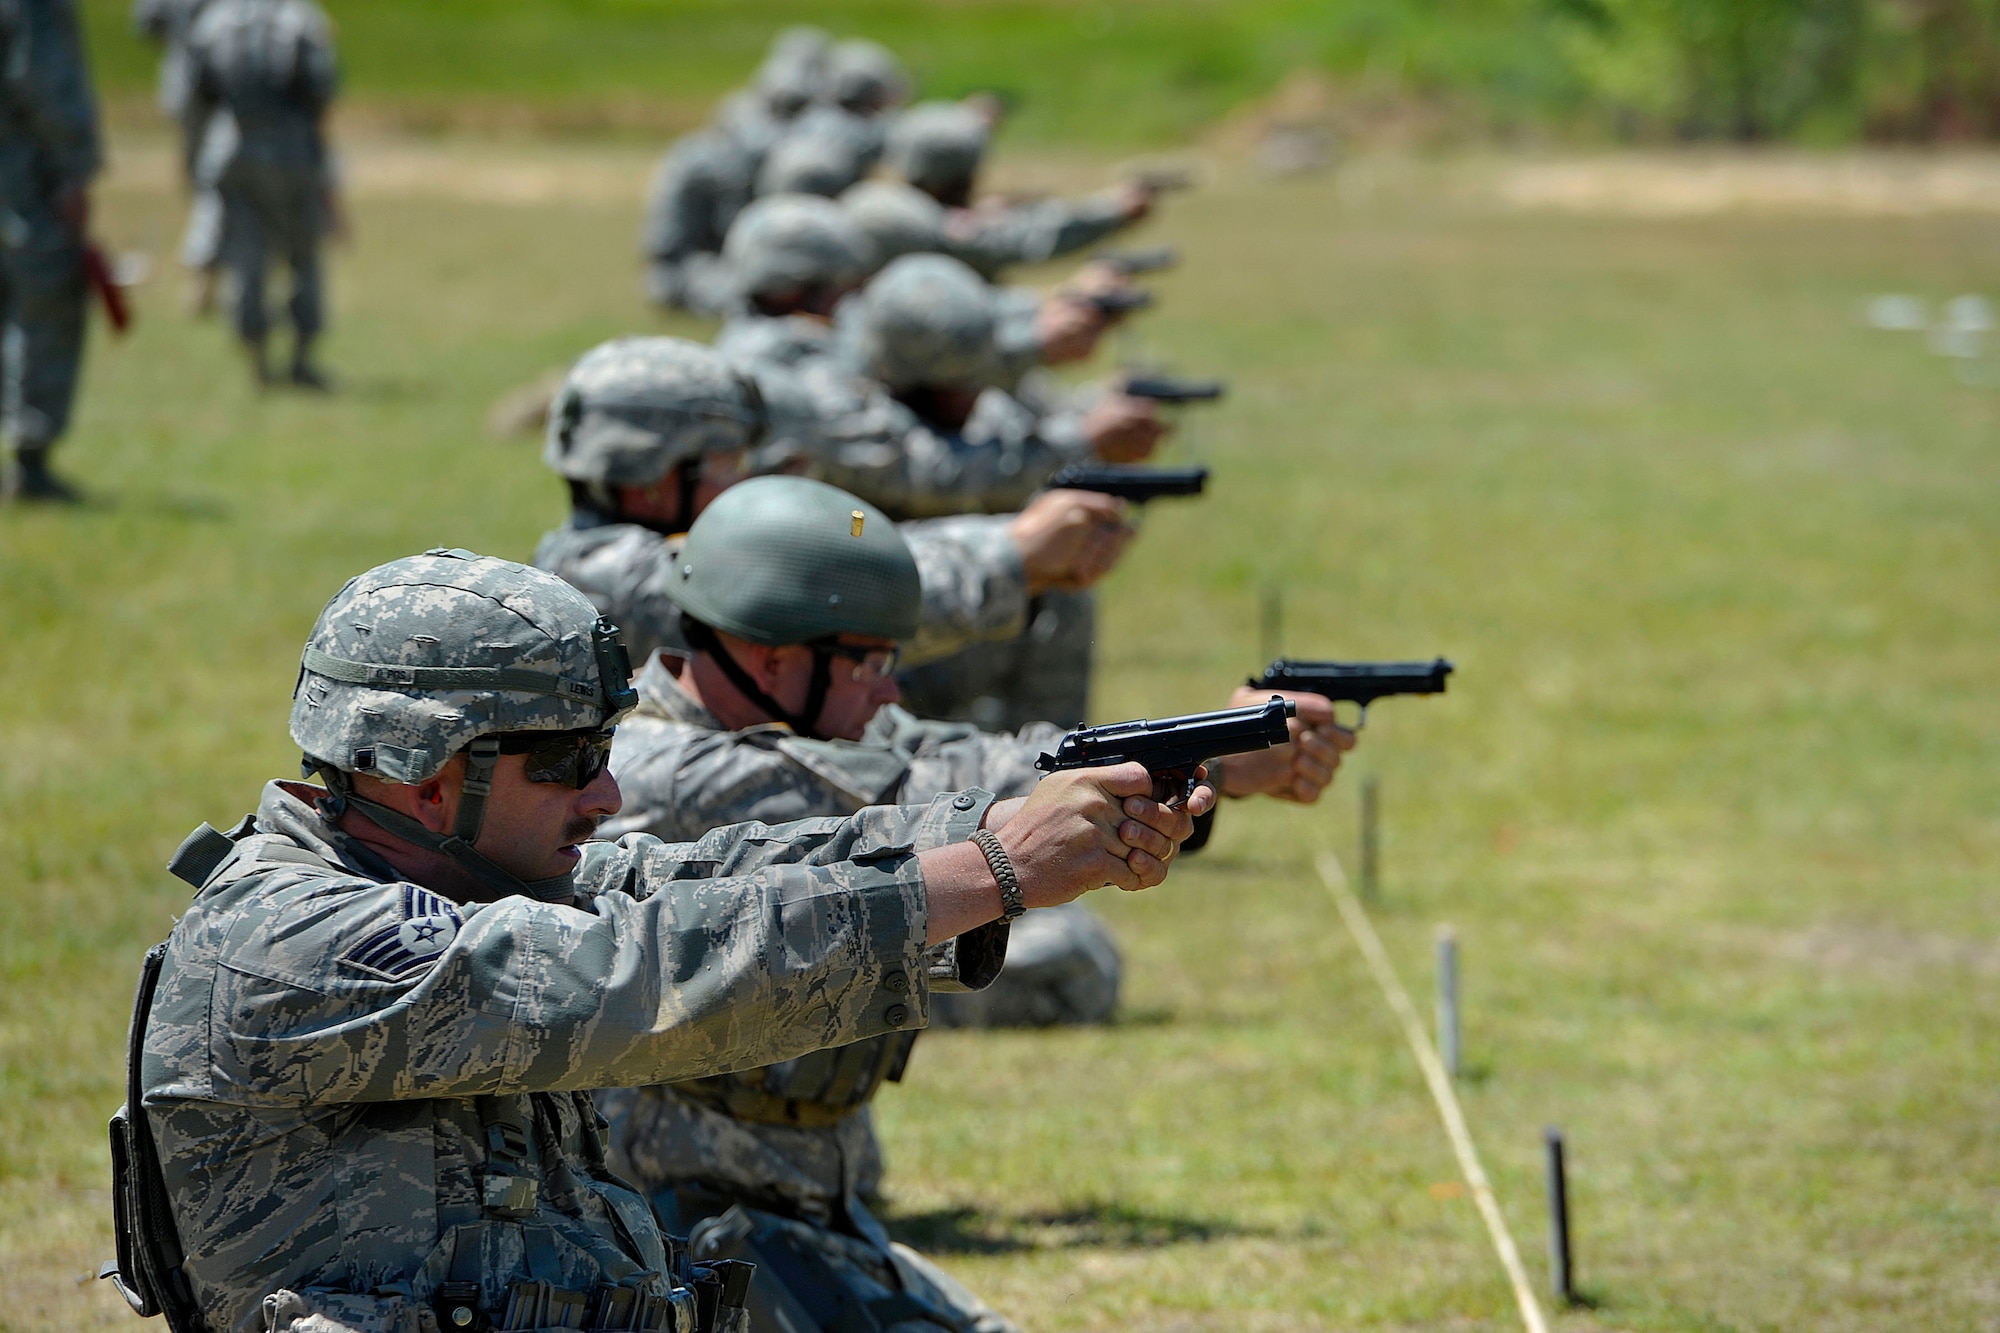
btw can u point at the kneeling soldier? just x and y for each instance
(794, 598)
(364, 1065)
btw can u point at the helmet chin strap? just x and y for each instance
(702, 638)
(481, 757)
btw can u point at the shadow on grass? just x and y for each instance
(1102, 1225)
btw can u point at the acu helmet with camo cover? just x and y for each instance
(937, 147)
(864, 76)
(925, 321)
(420, 659)
(793, 242)
(632, 409)
(789, 560)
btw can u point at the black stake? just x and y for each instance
(1371, 842)
(1560, 1283)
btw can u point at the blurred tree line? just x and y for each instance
(1817, 69)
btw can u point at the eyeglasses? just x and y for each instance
(870, 664)
(571, 758)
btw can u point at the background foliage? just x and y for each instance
(1132, 72)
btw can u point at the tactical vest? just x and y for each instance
(522, 1251)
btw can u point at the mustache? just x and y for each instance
(579, 830)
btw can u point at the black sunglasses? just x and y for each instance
(572, 758)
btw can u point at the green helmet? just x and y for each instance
(791, 241)
(924, 321)
(937, 147)
(421, 658)
(632, 408)
(784, 560)
(780, 560)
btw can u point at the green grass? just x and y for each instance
(1129, 72)
(1709, 802)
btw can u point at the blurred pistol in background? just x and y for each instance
(1358, 683)
(1173, 747)
(1137, 484)
(1171, 389)
(1140, 259)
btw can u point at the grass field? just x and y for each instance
(1709, 803)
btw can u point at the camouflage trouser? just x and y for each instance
(272, 216)
(1062, 968)
(201, 244)
(1041, 676)
(812, 1279)
(42, 295)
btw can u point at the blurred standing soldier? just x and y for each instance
(264, 75)
(167, 23)
(425, 961)
(648, 431)
(797, 596)
(864, 84)
(49, 152)
(933, 153)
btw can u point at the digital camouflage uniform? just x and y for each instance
(263, 71)
(934, 151)
(774, 1163)
(635, 407)
(48, 146)
(167, 23)
(707, 177)
(927, 320)
(792, 1145)
(369, 1098)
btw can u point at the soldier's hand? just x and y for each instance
(1084, 828)
(1124, 429)
(1069, 539)
(1135, 200)
(1067, 328)
(1300, 769)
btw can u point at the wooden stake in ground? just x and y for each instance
(1371, 840)
(1370, 944)
(1447, 982)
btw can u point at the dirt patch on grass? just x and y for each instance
(1864, 184)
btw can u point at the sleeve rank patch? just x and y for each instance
(401, 951)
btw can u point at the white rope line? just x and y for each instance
(1370, 944)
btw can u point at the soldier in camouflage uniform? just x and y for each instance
(365, 1058)
(909, 415)
(791, 259)
(49, 152)
(707, 177)
(646, 431)
(263, 76)
(862, 86)
(933, 153)
(166, 23)
(784, 709)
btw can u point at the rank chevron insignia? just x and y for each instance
(400, 951)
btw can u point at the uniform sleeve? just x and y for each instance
(318, 71)
(747, 948)
(679, 783)
(878, 450)
(992, 239)
(48, 79)
(975, 587)
(951, 756)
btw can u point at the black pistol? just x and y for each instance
(1137, 484)
(1169, 389)
(1140, 259)
(1173, 747)
(1360, 683)
(1118, 300)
